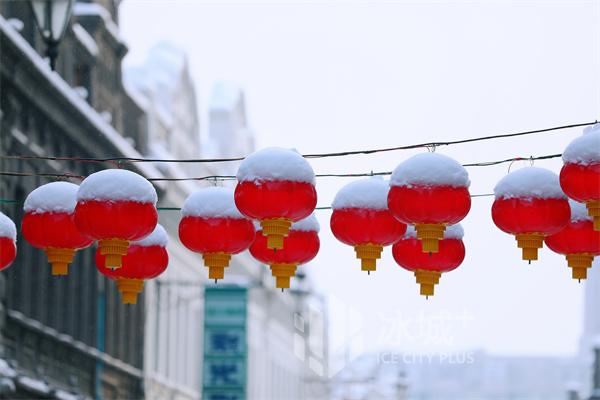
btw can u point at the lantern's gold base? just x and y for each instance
(368, 254)
(113, 250)
(59, 259)
(427, 280)
(430, 235)
(579, 263)
(593, 207)
(283, 274)
(129, 289)
(275, 229)
(216, 264)
(530, 243)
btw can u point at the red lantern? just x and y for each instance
(48, 224)
(361, 219)
(301, 245)
(116, 206)
(428, 268)
(530, 205)
(213, 226)
(8, 238)
(580, 174)
(578, 241)
(276, 187)
(429, 191)
(145, 259)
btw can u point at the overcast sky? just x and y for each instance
(326, 76)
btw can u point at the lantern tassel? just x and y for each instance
(368, 254)
(283, 274)
(579, 264)
(113, 249)
(60, 259)
(594, 212)
(530, 243)
(216, 264)
(430, 235)
(129, 289)
(275, 229)
(427, 279)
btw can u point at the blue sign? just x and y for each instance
(225, 348)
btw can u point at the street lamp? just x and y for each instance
(52, 18)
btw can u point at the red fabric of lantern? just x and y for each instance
(302, 245)
(530, 205)
(276, 187)
(8, 237)
(428, 267)
(49, 224)
(580, 175)
(212, 225)
(578, 241)
(145, 259)
(361, 219)
(115, 207)
(429, 191)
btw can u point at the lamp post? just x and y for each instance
(52, 18)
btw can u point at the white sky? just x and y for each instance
(326, 76)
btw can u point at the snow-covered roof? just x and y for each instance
(7, 227)
(211, 202)
(529, 182)
(86, 39)
(275, 164)
(370, 193)
(579, 211)
(308, 224)
(225, 96)
(117, 184)
(52, 197)
(158, 237)
(430, 169)
(584, 149)
(455, 231)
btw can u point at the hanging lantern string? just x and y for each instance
(428, 145)
(219, 178)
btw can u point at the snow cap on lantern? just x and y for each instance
(430, 191)
(578, 241)
(361, 219)
(8, 240)
(213, 226)
(49, 224)
(146, 259)
(530, 204)
(276, 186)
(428, 268)
(580, 174)
(302, 245)
(116, 206)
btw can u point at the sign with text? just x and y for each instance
(225, 352)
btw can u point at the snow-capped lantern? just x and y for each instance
(428, 268)
(301, 245)
(49, 224)
(145, 259)
(578, 241)
(361, 219)
(580, 174)
(213, 226)
(116, 206)
(530, 205)
(276, 187)
(8, 240)
(429, 191)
